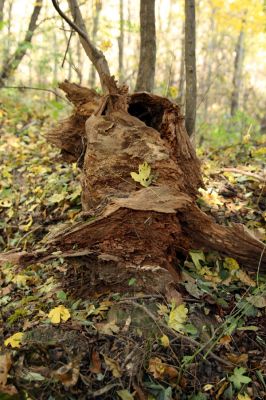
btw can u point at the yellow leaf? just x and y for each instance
(58, 314)
(177, 317)
(244, 396)
(57, 197)
(20, 280)
(165, 341)
(144, 176)
(14, 340)
(27, 226)
(231, 264)
(207, 387)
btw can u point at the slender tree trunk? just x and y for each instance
(2, 3)
(238, 68)
(13, 61)
(121, 43)
(181, 83)
(147, 60)
(190, 62)
(208, 65)
(95, 28)
(79, 68)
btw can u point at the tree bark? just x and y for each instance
(181, 82)
(2, 3)
(238, 68)
(147, 60)
(190, 62)
(121, 43)
(13, 61)
(95, 27)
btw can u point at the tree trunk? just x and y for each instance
(181, 82)
(190, 62)
(127, 230)
(147, 60)
(13, 62)
(2, 3)
(95, 27)
(121, 43)
(238, 68)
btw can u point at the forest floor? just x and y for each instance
(55, 344)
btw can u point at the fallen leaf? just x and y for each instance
(237, 358)
(67, 374)
(231, 264)
(58, 314)
(113, 366)
(196, 257)
(258, 301)
(245, 278)
(144, 176)
(95, 362)
(243, 396)
(20, 280)
(108, 328)
(178, 317)
(161, 370)
(14, 340)
(33, 377)
(165, 341)
(125, 394)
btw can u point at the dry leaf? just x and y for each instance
(113, 366)
(58, 314)
(95, 362)
(67, 374)
(237, 359)
(165, 341)
(14, 340)
(245, 278)
(161, 370)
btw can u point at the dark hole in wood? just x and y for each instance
(150, 114)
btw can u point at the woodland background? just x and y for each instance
(114, 26)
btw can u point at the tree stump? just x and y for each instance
(130, 231)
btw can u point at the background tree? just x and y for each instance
(2, 3)
(95, 26)
(190, 62)
(147, 59)
(12, 63)
(121, 39)
(238, 70)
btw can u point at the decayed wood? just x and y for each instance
(133, 231)
(148, 128)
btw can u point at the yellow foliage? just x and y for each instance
(178, 317)
(58, 314)
(14, 340)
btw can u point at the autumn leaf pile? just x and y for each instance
(211, 345)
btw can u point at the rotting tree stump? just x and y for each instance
(129, 230)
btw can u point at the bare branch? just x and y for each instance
(96, 56)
